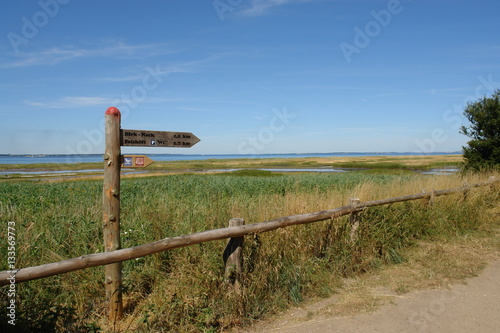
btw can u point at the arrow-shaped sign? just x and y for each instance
(135, 161)
(140, 138)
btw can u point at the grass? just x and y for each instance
(51, 166)
(183, 290)
(250, 173)
(373, 164)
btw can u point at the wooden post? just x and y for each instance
(466, 191)
(354, 220)
(233, 257)
(111, 212)
(429, 200)
(491, 181)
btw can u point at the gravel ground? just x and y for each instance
(463, 308)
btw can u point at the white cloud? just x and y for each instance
(86, 101)
(188, 66)
(140, 76)
(449, 92)
(109, 49)
(262, 7)
(72, 102)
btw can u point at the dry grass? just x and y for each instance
(427, 264)
(430, 264)
(410, 160)
(183, 289)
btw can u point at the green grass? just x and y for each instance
(52, 166)
(183, 290)
(250, 173)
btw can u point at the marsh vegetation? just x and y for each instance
(183, 290)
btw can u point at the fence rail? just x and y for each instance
(105, 258)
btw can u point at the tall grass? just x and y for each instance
(183, 290)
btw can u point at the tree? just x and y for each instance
(483, 151)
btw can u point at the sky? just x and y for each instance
(246, 76)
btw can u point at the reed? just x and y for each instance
(183, 290)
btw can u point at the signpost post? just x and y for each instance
(113, 161)
(111, 212)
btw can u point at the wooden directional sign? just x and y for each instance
(135, 161)
(140, 138)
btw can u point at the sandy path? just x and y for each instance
(464, 308)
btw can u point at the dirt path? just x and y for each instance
(470, 307)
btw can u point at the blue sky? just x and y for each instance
(246, 76)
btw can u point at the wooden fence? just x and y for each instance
(235, 231)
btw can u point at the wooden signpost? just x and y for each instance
(113, 161)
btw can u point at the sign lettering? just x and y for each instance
(141, 138)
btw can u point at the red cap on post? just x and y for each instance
(113, 111)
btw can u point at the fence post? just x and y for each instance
(233, 257)
(491, 180)
(466, 191)
(354, 220)
(429, 200)
(111, 212)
